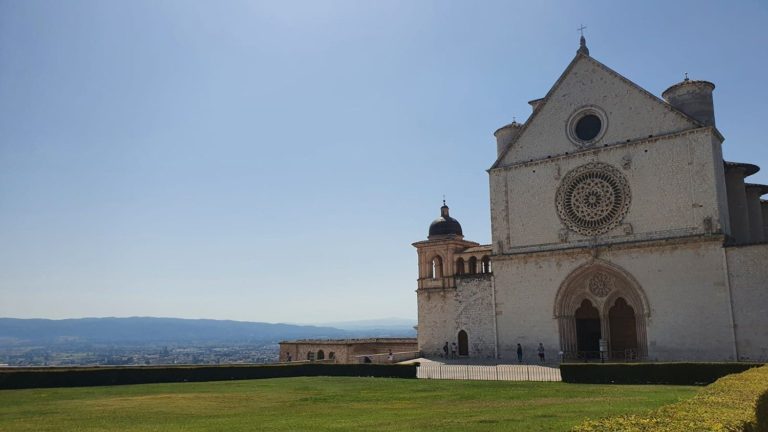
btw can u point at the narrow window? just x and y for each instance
(473, 265)
(437, 267)
(486, 264)
(460, 266)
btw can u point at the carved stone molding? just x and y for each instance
(601, 284)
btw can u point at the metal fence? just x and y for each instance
(489, 373)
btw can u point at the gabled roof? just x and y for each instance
(543, 101)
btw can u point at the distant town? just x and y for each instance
(105, 355)
(140, 341)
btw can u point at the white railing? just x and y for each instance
(384, 358)
(489, 373)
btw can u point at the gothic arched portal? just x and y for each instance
(597, 301)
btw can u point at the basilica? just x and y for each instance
(618, 232)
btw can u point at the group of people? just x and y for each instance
(449, 352)
(452, 349)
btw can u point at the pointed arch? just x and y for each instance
(568, 298)
(602, 284)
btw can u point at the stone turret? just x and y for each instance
(694, 98)
(506, 135)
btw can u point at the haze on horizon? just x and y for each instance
(273, 161)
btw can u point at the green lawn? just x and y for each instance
(327, 404)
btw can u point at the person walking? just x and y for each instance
(445, 350)
(453, 350)
(541, 352)
(519, 353)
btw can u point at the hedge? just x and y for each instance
(737, 403)
(13, 378)
(650, 373)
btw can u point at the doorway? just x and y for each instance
(587, 330)
(621, 318)
(463, 343)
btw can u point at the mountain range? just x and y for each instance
(145, 330)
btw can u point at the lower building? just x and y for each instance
(350, 351)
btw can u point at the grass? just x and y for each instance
(328, 404)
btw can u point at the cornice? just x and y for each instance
(604, 147)
(578, 249)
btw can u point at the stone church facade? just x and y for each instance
(617, 227)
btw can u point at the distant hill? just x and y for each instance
(397, 324)
(146, 330)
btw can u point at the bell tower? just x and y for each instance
(437, 259)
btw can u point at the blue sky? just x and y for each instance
(273, 161)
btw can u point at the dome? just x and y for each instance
(445, 225)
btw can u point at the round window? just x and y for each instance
(593, 199)
(588, 127)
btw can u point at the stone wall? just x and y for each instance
(437, 310)
(468, 307)
(344, 350)
(474, 304)
(632, 113)
(683, 283)
(675, 190)
(748, 277)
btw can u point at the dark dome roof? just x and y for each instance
(445, 225)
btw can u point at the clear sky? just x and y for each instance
(273, 161)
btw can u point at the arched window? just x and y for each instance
(437, 267)
(472, 265)
(331, 355)
(311, 356)
(485, 264)
(320, 355)
(460, 266)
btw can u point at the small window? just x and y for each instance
(320, 355)
(311, 356)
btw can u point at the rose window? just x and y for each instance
(593, 198)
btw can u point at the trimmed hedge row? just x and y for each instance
(11, 378)
(650, 373)
(736, 403)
